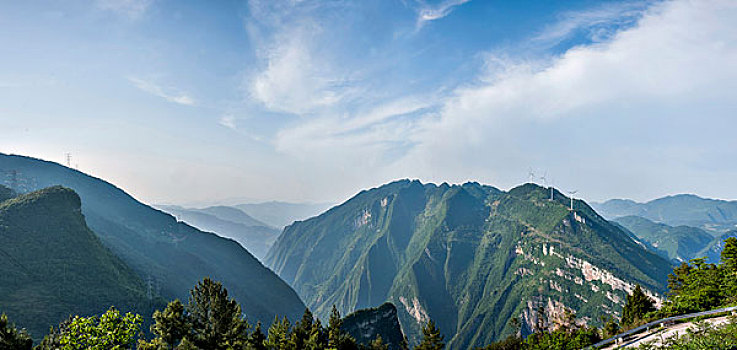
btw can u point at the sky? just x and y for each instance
(205, 102)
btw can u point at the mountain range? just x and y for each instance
(169, 256)
(471, 257)
(256, 236)
(712, 215)
(280, 214)
(680, 227)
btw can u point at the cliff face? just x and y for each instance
(470, 257)
(365, 325)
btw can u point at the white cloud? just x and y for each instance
(599, 111)
(429, 13)
(168, 93)
(134, 9)
(294, 81)
(622, 116)
(297, 73)
(228, 121)
(600, 22)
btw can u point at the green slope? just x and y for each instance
(52, 266)
(679, 243)
(172, 255)
(470, 257)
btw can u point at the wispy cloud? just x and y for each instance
(133, 9)
(170, 94)
(428, 13)
(599, 22)
(599, 111)
(228, 121)
(296, 74)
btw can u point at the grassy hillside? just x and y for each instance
(680, 243)
(172, 255)
(52, 266)
(470, 257)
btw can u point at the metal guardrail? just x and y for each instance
(659, 322)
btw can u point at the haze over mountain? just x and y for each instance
(256, 236)
(311, 100)
(53, 266)
(171, 255)
(471, 257)
(679, 243)
(280, 214)
(713, 215)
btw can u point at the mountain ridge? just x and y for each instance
(465, 256)
(172, 255)
(54, 266)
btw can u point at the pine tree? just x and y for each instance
(336, 337)
(729, 265)
(729, 254)
(11, 338)
(257, 339)
(431, 338)
(378, 344)
(302, 330)
(637, 306)
(216, 318)
(278, 335)
(171, 324)
(334, 332)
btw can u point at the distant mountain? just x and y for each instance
(280, 214)
(232, 214)
(470, 257)
(679, 243)
(229, 222)
(53, 266)
(713, 251)
(712, 215)
(171, 255)
(366, 324)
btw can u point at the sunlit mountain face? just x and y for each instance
(385, 174)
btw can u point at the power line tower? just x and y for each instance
(69, 159)
(149, 285)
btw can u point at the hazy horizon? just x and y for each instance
(314, 101)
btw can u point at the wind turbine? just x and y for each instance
(532, 175)
(571, 193)
(543, 177)
(552, 186)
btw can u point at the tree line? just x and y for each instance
(212, 320)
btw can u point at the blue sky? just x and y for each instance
(197, 102)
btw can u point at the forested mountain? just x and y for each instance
(280, 214)
(470, 257)
(229, 222)
(170, 255)
(52, 266)
(712, 215)
(679, 243)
